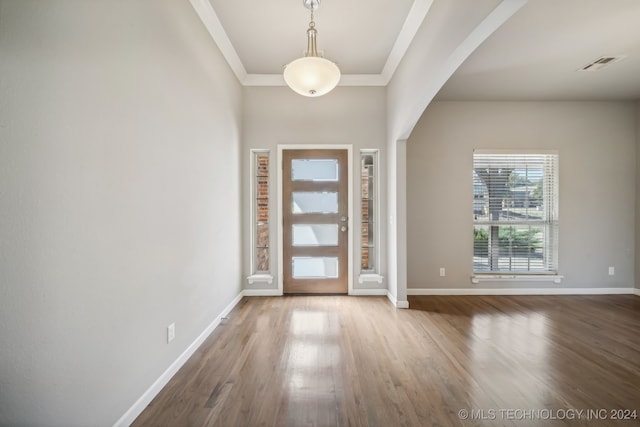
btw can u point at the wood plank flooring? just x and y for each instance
(358, 361)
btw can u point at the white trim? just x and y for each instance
(279, 219)
(637, 292)
(392, 298)
(262, 293)
(349, 148)
(370, 278)
(369, 292)
(395, 302)
(136, 409)
(519, 277)
(252, 216)
(523, 291)
(401, 221)
(372, 275)
(402, 304)
(345, 80)
(208, 16)
(411, 25)
(260, 278)
(498, 16)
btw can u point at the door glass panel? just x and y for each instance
(316, 170)
(308, 267)
(315, 234)
(314, 202)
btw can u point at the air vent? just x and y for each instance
(601, 62)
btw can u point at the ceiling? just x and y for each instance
(357, 34)
(533, 56)
(365, 38)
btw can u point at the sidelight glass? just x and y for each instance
(260, 212)
(368, 211)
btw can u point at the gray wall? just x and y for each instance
(597, 146)
(277, 115)
(119, 199)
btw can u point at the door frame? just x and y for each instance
(349, 148)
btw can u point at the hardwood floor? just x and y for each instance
(358, 361)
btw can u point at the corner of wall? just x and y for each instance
(139, 406)
(637, 246)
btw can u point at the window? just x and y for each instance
(260, 222)
(515, 212)
(369, 211)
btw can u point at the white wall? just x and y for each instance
(597, 145)
(119, 198)
(638, 196)
(277, 115)
(436, 51)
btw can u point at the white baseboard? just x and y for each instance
(524, 291)
(392, 298)
(396, 303)
(261, 293)
(129, 417)
(402, 304)
(636, 291)
(369, 292)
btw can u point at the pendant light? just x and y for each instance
(312, 75)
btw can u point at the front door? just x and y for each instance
(315, 235)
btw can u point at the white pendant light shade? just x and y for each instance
(312, 75)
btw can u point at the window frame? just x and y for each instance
(549, 221)
(370, 275)
(257, 276)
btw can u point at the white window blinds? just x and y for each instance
(515, 212)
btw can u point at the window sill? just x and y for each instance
(477, 278)
(260, 278)
(370, 278)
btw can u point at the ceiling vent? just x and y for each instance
(601, 62)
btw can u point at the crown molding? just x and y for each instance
(345, 80)
(412, 23)
(213, 25)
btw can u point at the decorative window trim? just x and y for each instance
(260, 278)
(363, 278)
(477, 278)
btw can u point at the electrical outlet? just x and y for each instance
(612, 271)
(171, 332)
(442, 272)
